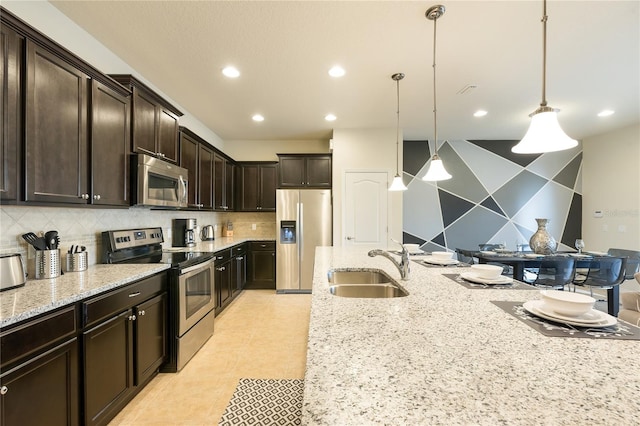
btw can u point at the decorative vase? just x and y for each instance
(542, 242)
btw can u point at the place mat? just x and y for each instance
(265, 402)
(513, 285)
(431, 265)
(621, 331)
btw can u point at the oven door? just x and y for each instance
(196, 294)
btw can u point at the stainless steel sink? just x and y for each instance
(371, 291)
(358, 277)
(363, 284)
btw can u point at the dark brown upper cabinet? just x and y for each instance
(11, 71)
(154, 128)
(304, 171)
(224, 185)
(76, 123)
(196, 155)
(256, 186)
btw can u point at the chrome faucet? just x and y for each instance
(403, 265)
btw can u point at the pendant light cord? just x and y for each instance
(435, 111)
(544, 54)
(398, 128)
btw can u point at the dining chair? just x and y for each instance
(552, 272)
(633, 261)
(465, 256)
(604, 272)
(506, 269)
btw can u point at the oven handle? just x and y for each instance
(196, 267)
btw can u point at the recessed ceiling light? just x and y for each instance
(231, 72)
(257, 117)
(605, 113)
(336, 71)
(330, 117)
(480, 113)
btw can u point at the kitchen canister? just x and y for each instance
(77, 262)
(47, 264)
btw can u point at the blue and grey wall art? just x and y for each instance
(494, 195)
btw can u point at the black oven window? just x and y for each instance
(198, 291)
(162, 188)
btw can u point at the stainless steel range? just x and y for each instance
(191, 289)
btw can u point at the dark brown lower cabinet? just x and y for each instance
(43, 390)
(261, 268)
(222, 280)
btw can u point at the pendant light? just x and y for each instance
(545, 133)
(397, 184)
(436, 168)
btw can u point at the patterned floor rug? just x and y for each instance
(265, 402)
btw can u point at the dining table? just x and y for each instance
(519, 261)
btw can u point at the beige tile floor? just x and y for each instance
(260, 335)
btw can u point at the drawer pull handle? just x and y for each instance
(4, 390)
(137, 293)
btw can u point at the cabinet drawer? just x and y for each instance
(35, 335)
(121, 299)
(222, 256)
(262, 245)
(238, 250)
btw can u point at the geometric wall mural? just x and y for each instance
(494, 195)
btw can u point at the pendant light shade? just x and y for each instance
(436, 170)
(545, 133)
(397, 184)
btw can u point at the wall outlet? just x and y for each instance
(253, 226)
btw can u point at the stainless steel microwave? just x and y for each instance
(159, 183)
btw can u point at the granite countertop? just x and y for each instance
(446, 355)
(40, 296)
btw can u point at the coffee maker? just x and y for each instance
(183, 232)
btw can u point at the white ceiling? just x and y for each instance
(284, 50)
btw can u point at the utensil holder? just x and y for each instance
(77, 262)
(47, 264)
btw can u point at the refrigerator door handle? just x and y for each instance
(299, 216)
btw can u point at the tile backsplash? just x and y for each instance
(83, 226)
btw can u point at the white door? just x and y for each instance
(365, 209)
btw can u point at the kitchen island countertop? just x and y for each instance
(446, 355)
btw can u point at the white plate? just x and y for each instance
(598, 253)
(414, 252)
(580, 255)
(533, 255)
(591, 317)
(488, 252)
(442, 262)
(532, 306)
(469, 276)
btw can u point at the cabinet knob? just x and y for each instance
(84, 196)
(96, 197)
(239, 258)
(4, 390)
(132, 317)
(349, 238)
(141, 313)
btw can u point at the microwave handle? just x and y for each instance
(183, 185)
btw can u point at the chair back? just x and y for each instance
(633, 261)
(606, 271)
(489, 247)
(555, 272)
(465, 256)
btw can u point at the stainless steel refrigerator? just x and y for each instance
(303, 220)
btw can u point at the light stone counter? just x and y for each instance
(446, 355)
(40, 296)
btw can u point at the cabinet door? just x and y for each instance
(262, 270)
(109, 146)
(223, 285)
(229, 185)
(268, 181)
(292, 174)
(205, 177)
(219, 176)
(248, 187)
(108, 372)
(11, 51)
(318, 171)
(44, 390)
(151, 337)
(144, 123)
(167, 135)
(239, 275)
(56, 129)
(189, 160)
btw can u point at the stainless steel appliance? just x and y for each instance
(191, 291)
(304, 222)
(183, 232)
(11, 271)
(158, 183)
(207, 233)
